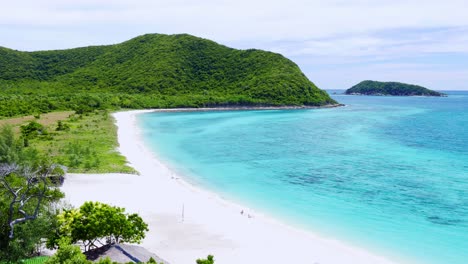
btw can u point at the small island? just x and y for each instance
(390, 89)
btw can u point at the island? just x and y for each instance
(151, 71)
(390, 89)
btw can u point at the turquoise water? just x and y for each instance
(389, 174)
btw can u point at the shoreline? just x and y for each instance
(240, 108)
(187, 222)
(393, 95)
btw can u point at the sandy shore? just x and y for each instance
(187, 223)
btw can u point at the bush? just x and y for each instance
(68, 254)
(208, 260)
(32, 130)
(61, 126)
(71, 254)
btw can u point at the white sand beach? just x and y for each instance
(209, 225)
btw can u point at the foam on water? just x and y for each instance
(386, 173)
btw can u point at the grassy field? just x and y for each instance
(37, 260)
(44, 119)
(86, 143)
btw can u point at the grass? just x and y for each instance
(36, 260)
(44, 119)
(87, 143)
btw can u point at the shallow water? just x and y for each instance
(389, 174)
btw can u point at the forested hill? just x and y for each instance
(151, 71)
(390, 88)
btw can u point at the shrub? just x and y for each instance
(208, 260)
(32, 130)
(68, 254)
(61, 126)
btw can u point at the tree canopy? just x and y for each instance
(96, 222)
(27, 191)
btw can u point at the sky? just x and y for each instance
(336, 43)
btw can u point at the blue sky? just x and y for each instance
(337, 43)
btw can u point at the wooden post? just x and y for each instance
(183, 211)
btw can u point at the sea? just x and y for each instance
(388, 174)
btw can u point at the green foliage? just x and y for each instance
(61, 126)
(152, 261)
(208, 260)
(29, 235)
(32, 130)
(390, 88)
(36, 260)
(97, 221)
(87, 144)
(13, 151)
(25, 198)
(26, 195)
(80, 154)
(10, 148)
(71, 254)
(150, 71)
(107, 260)
(68, 254)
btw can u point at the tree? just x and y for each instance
(96, 222)
(25, 199)
(26, 193)
(29, 237)
(10, 148)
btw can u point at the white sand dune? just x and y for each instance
(209, 224)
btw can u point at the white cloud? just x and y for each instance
(242, 19)
(382, 47)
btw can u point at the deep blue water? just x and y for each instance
(389, 174)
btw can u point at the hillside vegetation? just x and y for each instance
(390, 88)
(150, 71)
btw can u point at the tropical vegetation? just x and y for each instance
(30, 213)
(96, 224)
(150, 71)
(83, 143)
(28, 193)
(31, 216)
(390, 88)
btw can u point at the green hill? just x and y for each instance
(151, 71)
(390, 88)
